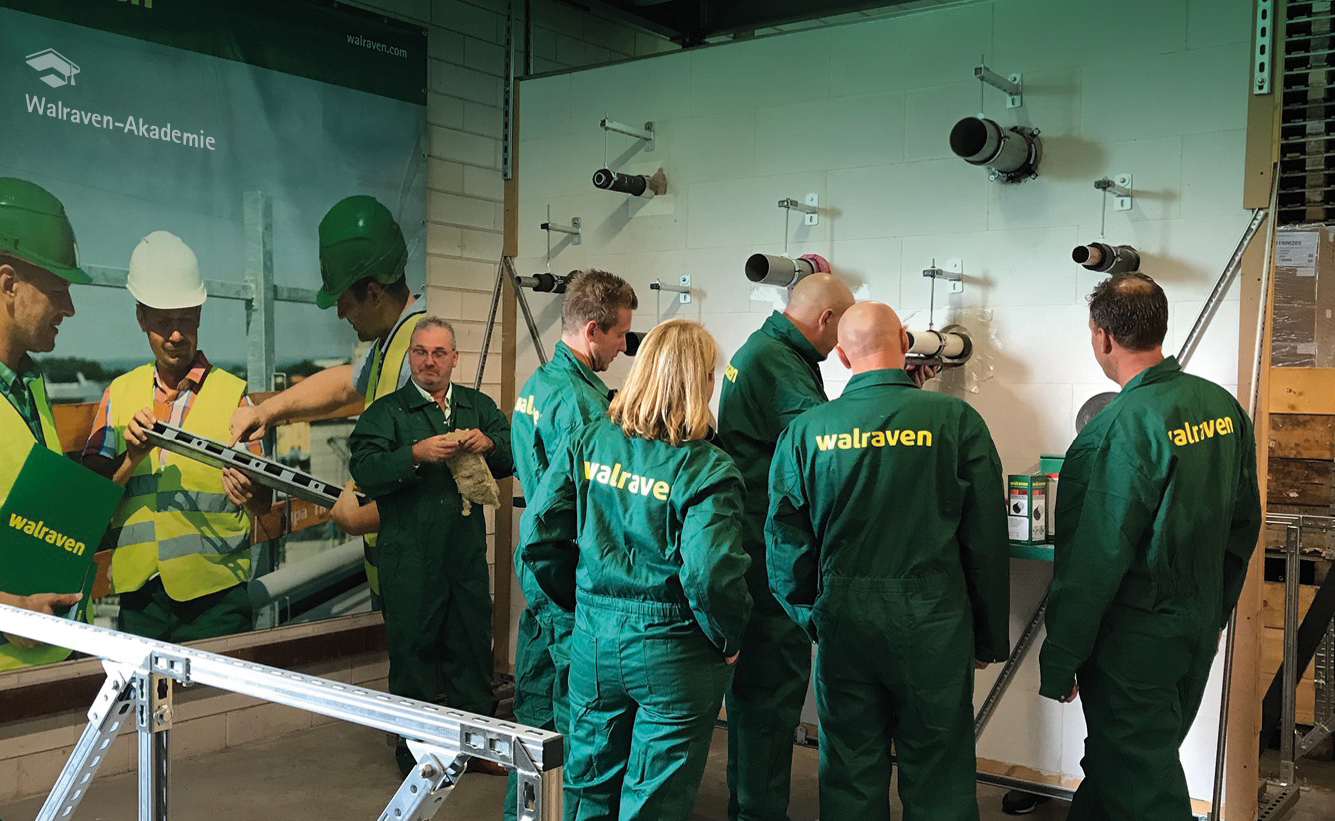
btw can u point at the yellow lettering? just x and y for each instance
(604, 476)
(825, 442)
(624, 477)
(845, 441)
(907, 438)
(877, 439)
(1179, 437)
(892, 437)
(925, 438)
(1208, 429)
(589, 470)
(661, 491)
(730, 374)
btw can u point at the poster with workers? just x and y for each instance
(179, 161)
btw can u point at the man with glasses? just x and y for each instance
(181, 536)
(434, 581)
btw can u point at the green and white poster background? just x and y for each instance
(180, 107)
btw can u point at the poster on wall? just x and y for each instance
(171, 115)
(161, 115)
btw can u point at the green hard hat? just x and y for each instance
(358, 239)
(34, 228)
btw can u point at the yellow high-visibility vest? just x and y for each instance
(384, 381)
(16, 440)
(176, 520)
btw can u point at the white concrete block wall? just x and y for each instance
(860, 115)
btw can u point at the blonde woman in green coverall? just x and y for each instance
(1157, 519)
(636, 528)
(887, 543)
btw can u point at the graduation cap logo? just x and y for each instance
(55, 68)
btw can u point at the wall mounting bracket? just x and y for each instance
(1011, 84)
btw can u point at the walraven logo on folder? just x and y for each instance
(42, 533)
(56, 69)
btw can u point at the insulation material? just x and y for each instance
(977, 323)
(1304, 270)
(473, 477)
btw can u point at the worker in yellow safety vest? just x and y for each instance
(38, 261)
(181, 535)
(363, 257)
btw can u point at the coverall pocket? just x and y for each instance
(683, 675)
(1144, 649)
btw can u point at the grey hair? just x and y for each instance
(433, 321)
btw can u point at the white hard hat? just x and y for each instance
(164, 273)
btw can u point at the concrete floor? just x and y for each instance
(342, 771)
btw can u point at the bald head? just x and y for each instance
(871, 337)
(815, 307)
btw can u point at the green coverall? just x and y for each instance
(556, 402)
(887, 543)
(432, 558)
(1157, 518)
(645, 538)
(771, 379)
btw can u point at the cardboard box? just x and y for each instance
(1027, 509)
(1304, 309)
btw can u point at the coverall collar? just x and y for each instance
(885, 377)
(782, 329)
(1154, 373)
(566, 359)
(419, 398)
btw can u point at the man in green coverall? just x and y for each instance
(903, 599)
(771, 379)
(556, 402)
(1157, 518)
(433, 561)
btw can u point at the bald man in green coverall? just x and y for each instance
(903, 598)
(773, 377)
(1157, 518)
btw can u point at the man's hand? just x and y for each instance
(1075, 691)
(238, 486)
(475, 441)
(921, 373)
(136, 435)
(46, 603)
(981, 665)
(248, 424)
(435, 449)
(352, 517)
(731, 660)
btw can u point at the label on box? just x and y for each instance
(1297, 250)
(1026, 508)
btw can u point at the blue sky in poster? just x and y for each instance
(306, 143)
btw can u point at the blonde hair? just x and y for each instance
(666, 395)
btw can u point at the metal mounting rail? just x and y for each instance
(140, 677)
(265, 471)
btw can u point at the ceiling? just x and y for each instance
(692, 22)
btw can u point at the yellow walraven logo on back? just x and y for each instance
(1190, 434)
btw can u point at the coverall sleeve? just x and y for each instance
(380, 463)
(1115, 509)
(1246, 525)
(985, 542)
(792, 553)
(547, 532)
(713, 563)
(794, 393)
(497, 428)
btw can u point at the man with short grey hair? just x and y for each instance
(433, 550)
